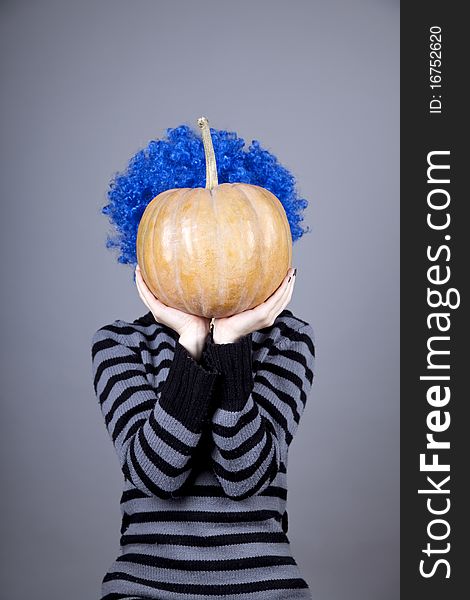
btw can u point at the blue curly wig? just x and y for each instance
(179, 161)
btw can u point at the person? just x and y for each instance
(202, 415)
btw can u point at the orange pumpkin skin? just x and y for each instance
(214, 252)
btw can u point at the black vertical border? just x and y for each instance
(420, 133)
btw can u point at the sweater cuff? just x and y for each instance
(234, 362)
(187, 390)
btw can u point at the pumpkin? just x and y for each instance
(214, 251)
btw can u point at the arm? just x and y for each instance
(154, 434)
(256, 417)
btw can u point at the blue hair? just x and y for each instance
(179, 161)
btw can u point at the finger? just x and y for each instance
(284, 299)
(139, 282)
(153, 305)
(147, 297)
(289, 293)
(140, 292)
(278, 294)
(270, 308)
(160, 310)
(147, 294)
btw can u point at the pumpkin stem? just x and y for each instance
(211, 167)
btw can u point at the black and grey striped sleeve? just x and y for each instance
(154, 434)
(258, 415)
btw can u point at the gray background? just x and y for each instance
(85, 85)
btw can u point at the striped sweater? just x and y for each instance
(203, 448)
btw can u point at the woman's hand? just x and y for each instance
(230, 329)
(192, 329)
